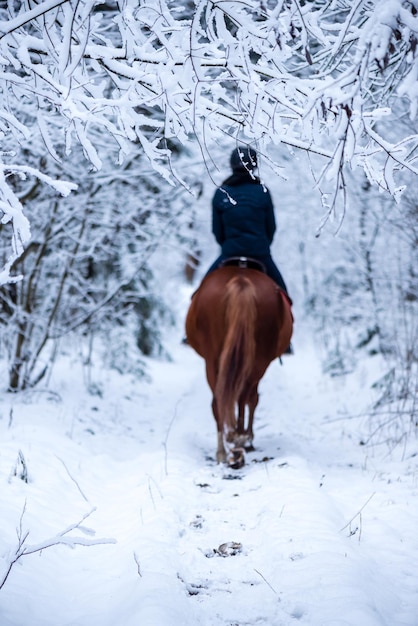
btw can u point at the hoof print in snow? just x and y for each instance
(231, 477)
(195, 589)
(197, 522)
(230, 548)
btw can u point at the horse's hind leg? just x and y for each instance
(220, 451)
(252, 405)
(241, 417)
(246, 435)
(233, 456)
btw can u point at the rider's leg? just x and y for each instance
(274, 272)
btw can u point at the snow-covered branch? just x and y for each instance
(280, 73)
(63, 538)
(13, 210)
(288, 73)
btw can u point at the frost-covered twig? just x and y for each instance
(24, 549)
(25, 18)
(74, 480)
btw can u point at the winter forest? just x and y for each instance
(116, 123)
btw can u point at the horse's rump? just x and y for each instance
(205, 321)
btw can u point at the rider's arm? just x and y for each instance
(270, 219)
(217, 223)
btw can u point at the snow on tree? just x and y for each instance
(313, 75)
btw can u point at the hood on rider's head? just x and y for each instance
(243, 159)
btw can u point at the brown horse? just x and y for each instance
(239, 322)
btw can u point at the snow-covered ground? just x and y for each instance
(316, 529)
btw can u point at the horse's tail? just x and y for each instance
(238, 352)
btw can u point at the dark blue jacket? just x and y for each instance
(243, 219)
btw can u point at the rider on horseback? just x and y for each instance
(243, 219)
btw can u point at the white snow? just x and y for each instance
(319, 530)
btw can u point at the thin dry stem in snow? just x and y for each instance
(359, 515)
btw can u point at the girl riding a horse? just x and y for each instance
(243, 219)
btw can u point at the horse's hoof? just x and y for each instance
(237, 459)
(243, 440)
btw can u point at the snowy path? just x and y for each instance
(324, 531)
